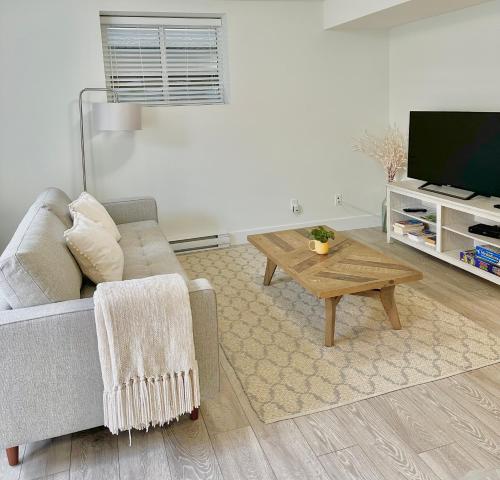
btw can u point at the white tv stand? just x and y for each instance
(453, 217)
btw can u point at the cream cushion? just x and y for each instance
(93, 210)
(95, 249)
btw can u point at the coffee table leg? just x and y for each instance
(389, 304)
(270, 269)
(330, 310)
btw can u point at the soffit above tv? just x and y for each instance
(383, 14)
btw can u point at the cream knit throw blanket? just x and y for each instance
(146, 348)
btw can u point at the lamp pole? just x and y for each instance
(82, 138)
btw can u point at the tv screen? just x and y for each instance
(460, 149)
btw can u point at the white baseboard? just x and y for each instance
(344, 223)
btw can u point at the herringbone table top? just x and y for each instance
(349, 267)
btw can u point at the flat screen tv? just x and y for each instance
(458, 149)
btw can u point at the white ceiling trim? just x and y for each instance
(357, 14)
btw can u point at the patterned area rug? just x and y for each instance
(273, 338)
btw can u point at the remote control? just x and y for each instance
(497, 205)
(415, 210)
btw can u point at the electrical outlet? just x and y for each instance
(295, 206)
(338, 199)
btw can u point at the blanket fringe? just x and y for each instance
(146, 402)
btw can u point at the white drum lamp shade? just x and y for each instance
(117, 116)
(108, 116)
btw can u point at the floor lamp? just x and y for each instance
(113, 117)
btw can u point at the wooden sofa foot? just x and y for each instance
(13, 456)
(194, 414)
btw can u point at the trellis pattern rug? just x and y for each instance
(273, 338)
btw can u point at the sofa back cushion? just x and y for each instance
(57, 202)
(36, 267)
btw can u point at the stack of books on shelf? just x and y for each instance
(485, 257)
(425, 236)
(404, 227)
(430, 239)
(415, 231)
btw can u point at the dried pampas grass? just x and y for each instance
(391, 150)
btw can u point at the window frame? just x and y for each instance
(172, 21)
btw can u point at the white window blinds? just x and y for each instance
(173, 61)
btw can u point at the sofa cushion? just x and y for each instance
(147, 251)
(57, 202)
(36, 267)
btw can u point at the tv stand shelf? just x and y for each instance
(453, 217)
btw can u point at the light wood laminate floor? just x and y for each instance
(438, 431)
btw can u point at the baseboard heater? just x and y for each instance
(184, 245)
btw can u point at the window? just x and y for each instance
(163, 61)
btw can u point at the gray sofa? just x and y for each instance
(49, 366)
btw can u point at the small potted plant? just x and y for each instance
(320, 236)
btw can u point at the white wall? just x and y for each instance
(449, 62)
(299, 95)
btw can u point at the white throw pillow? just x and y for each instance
(92, 209)
(96, 251)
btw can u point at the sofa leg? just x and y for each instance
(194, 414)
(13, 456)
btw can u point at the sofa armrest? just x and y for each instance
(51, 379)
(130, 210)
(45, 311)
(51, 382)
(205, 333)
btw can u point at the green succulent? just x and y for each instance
(322, 235)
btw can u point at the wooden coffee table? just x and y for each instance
(351, 268)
